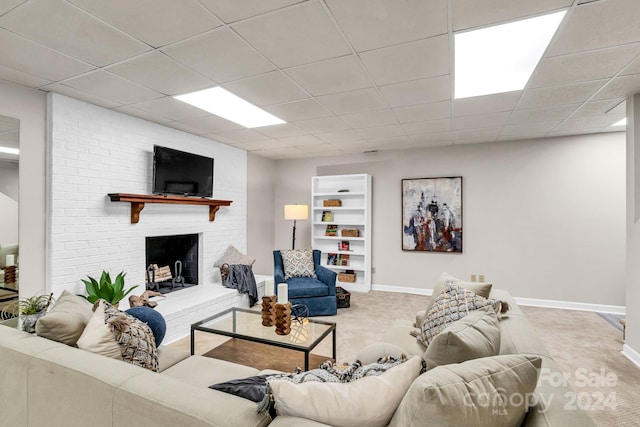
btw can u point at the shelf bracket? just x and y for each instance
(212, 212)
(136, 208)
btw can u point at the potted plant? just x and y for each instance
(29, 310)
(105, 289)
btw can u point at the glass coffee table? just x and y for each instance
(246, 325)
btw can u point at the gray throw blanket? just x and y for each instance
(241, 278)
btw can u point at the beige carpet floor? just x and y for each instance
(585, 345)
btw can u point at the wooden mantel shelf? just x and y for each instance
(138, 200)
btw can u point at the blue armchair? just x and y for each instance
(319, 295)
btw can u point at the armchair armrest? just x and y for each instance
(327, 277)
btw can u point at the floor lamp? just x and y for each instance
(295, 212)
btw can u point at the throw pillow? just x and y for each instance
(97, 336)
(369, 399)
(133, 338)
(491, 391)
(251, 388)
(233, 256)
(476, 335)
(453, 303)
(298, 263)
(480, 288)
(66, 320)
(153, 319)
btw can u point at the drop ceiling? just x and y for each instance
(347, 75)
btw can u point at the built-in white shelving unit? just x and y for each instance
(354, 213)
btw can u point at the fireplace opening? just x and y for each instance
(171, 262)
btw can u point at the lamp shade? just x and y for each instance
(296, 211)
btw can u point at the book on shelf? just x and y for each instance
(343, 260)
(343, 245)
(331, 230)
(332, 259)
(327, 216)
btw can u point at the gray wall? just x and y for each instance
(544, 219)
(29, 106)
(260, 212)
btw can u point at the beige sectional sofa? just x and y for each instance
(49, 383)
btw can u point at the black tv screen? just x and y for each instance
(178, 172)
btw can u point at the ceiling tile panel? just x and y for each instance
(431, 139)
(24, 55)
(529, 130)
(481, 120)
(381, 132)
(170, 107)
(210, 124)
(155, 22)
(589, 122)
(409, 61)
(352, 102)
(7, 5)
(369, 118)
(243, 135)
(227, 56)
(297, 35)
(428, 126)
(488, 134)
(370, 24)
(486, 104)
(266, 89)
(330, 124)
(581, 67)
(281, 131)
(472, 13)
(168, 76)
(417, 92)
(102, 84)
(298, 110)
(339, 137)
(331, 76)
(61, 26)
(418, 113)
(548, 114)
(21, 78)
(136, 112)
(596, 108)
(234, 10)
(620, 87)
(81, 95)
(633, 68)
(596, 25)
(559, 95)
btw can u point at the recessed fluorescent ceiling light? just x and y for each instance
(622, 122)
(501, 58)
(223, 103)
(8, 150)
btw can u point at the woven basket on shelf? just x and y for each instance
(346, 277)
(332, 202)
(348, 232)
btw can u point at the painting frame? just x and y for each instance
(432, 214)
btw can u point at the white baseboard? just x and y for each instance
(401, 289)
(569, 305)
(631, 354)
(565, 305)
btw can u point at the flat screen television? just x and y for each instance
(178, 172)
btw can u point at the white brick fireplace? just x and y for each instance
(94, 151)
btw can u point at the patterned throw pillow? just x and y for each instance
(114, 333)
(298, 263)
(453, 303)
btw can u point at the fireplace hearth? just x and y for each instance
(171, 262)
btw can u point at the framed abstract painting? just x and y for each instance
(432, 214)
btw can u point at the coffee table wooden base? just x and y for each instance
(263, 356)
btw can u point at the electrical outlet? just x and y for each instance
(473, 277)
(481, 278)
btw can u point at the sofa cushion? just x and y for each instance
(203, 371)
(452, 304)
(480, 288)
(491, 391)
(476, 335)
(306, 287)
(66, 320)
(133, 338)
(298, 263)
(153, 319)
(233, 256)
(347, 404)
